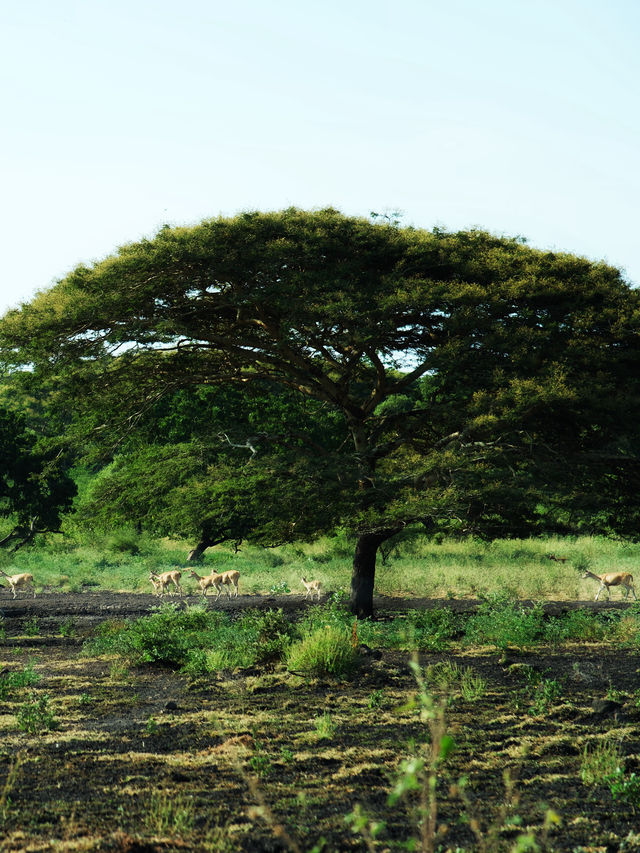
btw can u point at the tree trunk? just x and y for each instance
(364, 572)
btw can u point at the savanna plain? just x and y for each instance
(491, 705)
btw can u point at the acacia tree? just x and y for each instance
(34, 485)
(483, 386)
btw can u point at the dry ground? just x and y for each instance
(144, 760)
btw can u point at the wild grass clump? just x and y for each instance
(325, 651)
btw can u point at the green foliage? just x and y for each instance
(35, 488)
(600, 762)
(502, 622)
(625, 788)
(198, 640)
(35, 715)
(325, 727)
(426, 629)
(326, 651)
(10, 681)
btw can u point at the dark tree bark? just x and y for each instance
(364, 572)
(196, 553)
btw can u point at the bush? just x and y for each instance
(428, 629)
(325, 651)
(164, 638)
(502, 622)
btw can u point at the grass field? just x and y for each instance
(413, 568)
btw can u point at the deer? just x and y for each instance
(161, 581)
(311, 587)
(214, 579)
(612, 579)
(19, 581)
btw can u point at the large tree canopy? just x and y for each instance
(34, 485)
(482, 386)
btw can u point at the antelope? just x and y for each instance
(19, 581)
(229, 579)
(612, 579)
(557, 559)
(204, 583)
(311, 587)
(160, 582)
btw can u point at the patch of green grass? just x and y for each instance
(600, 762)
(325, 727)
(172, 814)
(326, 650)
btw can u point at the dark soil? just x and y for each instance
(145, 760)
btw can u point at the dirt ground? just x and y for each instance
(143, 759)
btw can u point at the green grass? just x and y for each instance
(416, 567)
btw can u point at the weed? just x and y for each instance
(286, 755)
(281, 588)
(544, 694)
(169, 813)
(260, 762)
(67, 628)
(325, 727)
(600, 763)
(151, 726)
(32, 627)
(625, 788)
(35, 715)
(419, 773)
(84, 699)
(362, 824)
(13, 680)
(375, 700)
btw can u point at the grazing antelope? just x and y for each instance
(19, 581)
(204, 583)
(613, 579)
(557, 559)
(311, 587)
(160, 582)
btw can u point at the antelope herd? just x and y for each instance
(161, 581)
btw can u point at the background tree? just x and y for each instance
(34, 485)
(479, 384)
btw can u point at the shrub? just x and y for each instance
(21, 678)
(35, 715)
(502, 622)
(325, 651)
(428, 629)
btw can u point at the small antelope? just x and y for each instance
(311, 587)
(613, 579)
(160, 582)
(229, 579)
(204, 583)
(19, 581)
(557, 559)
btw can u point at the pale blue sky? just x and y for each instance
(518, 116)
